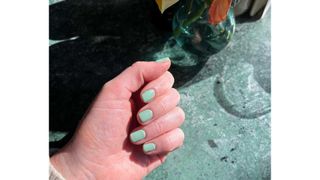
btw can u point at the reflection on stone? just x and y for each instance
(239, 93)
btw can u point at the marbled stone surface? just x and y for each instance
(227, 106)
(226, 97)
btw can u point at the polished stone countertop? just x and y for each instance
(227, 106)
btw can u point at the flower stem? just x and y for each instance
(195, 16)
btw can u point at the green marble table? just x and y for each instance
(227, 126)
(227, 106)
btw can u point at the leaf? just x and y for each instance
(218, 11)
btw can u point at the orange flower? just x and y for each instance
(218, 11)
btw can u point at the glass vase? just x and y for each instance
(194, 30)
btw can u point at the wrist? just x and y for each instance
(69, 166)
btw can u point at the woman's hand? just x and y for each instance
(129, 129)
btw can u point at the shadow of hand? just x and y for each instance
(107, 37)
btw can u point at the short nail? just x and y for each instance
(149, 147)
(163, 60)
(145, 115)
(148, 95)
(137, 135)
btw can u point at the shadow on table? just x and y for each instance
(106, 37)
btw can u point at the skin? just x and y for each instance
(101, 147)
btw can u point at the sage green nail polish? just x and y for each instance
(149, 147)
(148, 95)
(145, 115)
(137, 135)
(163, 60)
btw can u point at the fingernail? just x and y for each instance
(149, 147)
(137, 136)
(148, 95)
(145, 115)
(163, 60)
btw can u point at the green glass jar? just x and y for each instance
(194, 32)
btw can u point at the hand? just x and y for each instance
(128, 130)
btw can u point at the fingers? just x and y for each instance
(164, 143)
(134, 77)
(157, 87)
(158, 107)
(172, 120)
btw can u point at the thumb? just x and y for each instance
(133, 78)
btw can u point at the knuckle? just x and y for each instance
(170, 77)
(162, 106)
(180, 138)
(175, 140)
(158, 128)
(176, 93)
(112, 85)
(137, 64)
(137, 67)
(180, 131)
(108, 85)
(170, 143)
(181, 114)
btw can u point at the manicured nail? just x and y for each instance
(145, 115)
(148, 95)
(149, 147)
(163, 60)
(137, 136)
